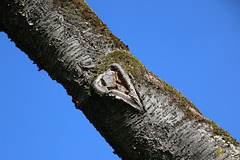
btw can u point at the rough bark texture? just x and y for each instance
(139, 115)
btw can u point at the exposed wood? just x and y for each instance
(139, 115)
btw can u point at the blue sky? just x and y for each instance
(192, 45)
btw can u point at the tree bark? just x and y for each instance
(139, 115)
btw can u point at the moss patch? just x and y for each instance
(128, 61)
(226, 136)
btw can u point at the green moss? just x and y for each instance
(226, 136)
(128, 61)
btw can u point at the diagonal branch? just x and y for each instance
(141, 116)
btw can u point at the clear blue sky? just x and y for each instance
(193, 45)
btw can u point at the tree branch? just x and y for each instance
(141, 116)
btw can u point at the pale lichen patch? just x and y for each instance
(152, 78)
(198, 114)
(220, 152)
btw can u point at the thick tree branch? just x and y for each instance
(141, 116)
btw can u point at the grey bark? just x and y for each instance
(137, 113)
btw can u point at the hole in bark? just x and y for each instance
(103, 82)
(111, 88)
(120, 80)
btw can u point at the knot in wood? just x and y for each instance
(115, 82)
